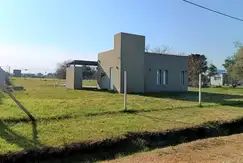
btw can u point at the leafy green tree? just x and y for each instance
(238, 67)
(229, 65)
(229, 62)
(234, 66)
(212, 70)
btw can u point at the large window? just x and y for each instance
(159, 77)
(217, 78)
(182, 77)
(165, 77)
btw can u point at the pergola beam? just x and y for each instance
(83, 63)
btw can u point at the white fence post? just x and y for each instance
(125, 91)
(200, 94)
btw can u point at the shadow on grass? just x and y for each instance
(121, 112)
(14, 138)
(115, 113)
(193, 97)
(128, 144)
(95, 89)
(1, 97)
(232, 103)
(46, 119)
(134, 111)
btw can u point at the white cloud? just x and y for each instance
(38, 58)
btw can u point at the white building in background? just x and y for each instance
(220, 79)
(3, 77)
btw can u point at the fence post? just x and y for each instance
(125, 91)
(200, 94)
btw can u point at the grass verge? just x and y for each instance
(130, 143)
(66, 116)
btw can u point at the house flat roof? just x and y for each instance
(83, 62)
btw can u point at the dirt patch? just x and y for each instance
(213, 150)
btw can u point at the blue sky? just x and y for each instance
(37, 34)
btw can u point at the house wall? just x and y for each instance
(106, 61)
(132, 61)
(3, 77)
(174, 65)
(74, 77)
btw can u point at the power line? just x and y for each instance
(220, 13)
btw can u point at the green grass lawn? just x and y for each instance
(66, 116)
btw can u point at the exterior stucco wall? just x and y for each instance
(174, 65)
(70, 77)
(128, 55)
(132, 61)
(74, 76)
(106, 61)
(3, 76)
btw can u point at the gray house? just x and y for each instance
(146, 72)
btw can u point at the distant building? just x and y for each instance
(220, 79)
(17, 73)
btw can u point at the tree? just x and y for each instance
(212, 70)
(197, 64)
(89, 72)
(239, 63)
(40, 75)
(238, 44)
(234, 65)
(61, 70)
(229, 62)
(147, 48)
(159, 50)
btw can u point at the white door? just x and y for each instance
(111, 78)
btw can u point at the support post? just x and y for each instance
(125, 91)
(200, 94)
